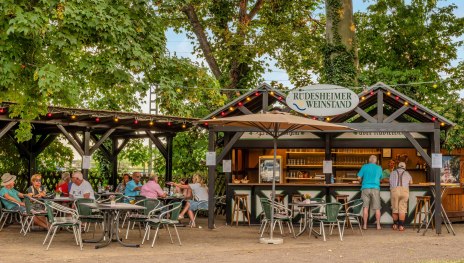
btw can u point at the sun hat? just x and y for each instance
(7, 178)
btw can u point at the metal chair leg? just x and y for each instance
(156, 234)
(51, 238)
(178, 237)
(169, 231)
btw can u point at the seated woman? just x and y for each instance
(186, 192)
(36, 190)
(200, 194)
(122, 185)
(63, 184)
(12, 196)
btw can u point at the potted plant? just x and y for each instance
(307, 198)
(112, 200)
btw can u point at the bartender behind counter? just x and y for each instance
(387, 171)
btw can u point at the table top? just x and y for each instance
(59, 199)
(117, 206)
(302, 204)
(443, 184)
(108, 193)
(169, 197)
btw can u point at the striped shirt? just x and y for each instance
(400, 177)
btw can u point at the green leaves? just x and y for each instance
(76, 53)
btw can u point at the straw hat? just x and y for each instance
(7, 178)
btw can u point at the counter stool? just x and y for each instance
(240, 198)
(343, 199)
(423, 208)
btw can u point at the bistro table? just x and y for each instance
(308, 217)
(111, 222)
(444, 187)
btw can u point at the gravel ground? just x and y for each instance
(240, 244)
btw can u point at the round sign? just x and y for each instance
(322, 100)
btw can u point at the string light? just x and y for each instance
(223, 114)
(442, 124)
(248, 98)
(240, 104)
(406, 103)
(73, 117)
(363, 98)
(231, 108)
(280, 98)
(257, 93)
(49, 115)
(169, 123)
(272, 93)
(388, 93)
(206, 123)
(97, 119)
(151, 123)
(372, 92)
(136, 121)
(184, 125)
(116, 119)
(433, 118)
(2, 110)
(397, 98)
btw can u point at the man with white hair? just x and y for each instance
(80, 187)
(370, 174)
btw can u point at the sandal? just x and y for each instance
(395, 227)
(401, 228)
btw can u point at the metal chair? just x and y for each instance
(150, 204)
(10, 214)
(168, 217)
(281, 214)
(31, 212)
(354, 214)
(330, 217)
(87, 214)
(201, 208)
(68, 221)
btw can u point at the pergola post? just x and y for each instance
(211, 180)
(114, 162)
(168, 173)
(436, 176)
(85, 168)
(328, 156)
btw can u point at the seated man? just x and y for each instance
(80, 188)
(152, 189)
(133, 186)
(12, 196)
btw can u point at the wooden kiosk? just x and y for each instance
(387, 124)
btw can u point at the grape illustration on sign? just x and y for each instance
(322, 100)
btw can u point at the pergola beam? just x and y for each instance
(102, 139)
(71, 139)
(228, 147)
(365, 115)
(158, 144)
(396, 114)
(7, 128)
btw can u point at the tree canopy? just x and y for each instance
(76, 53)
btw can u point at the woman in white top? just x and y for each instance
(200, 196)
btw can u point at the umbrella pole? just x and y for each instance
(271, 239)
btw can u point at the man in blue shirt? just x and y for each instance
(370, 174)
(133, 186)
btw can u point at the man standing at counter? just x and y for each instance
(370, 175)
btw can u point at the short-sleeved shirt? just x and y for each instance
(11, 192)
(151, 190)
(371, 175)
(200, 192)
(404, 180)
(78, 191)
(386, 174)
(129, 191)
(64, 188)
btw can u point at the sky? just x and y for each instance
(179, 45)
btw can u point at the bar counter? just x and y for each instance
(326, 191)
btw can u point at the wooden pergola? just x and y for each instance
(87, 130)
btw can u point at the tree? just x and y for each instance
(235, 37)
(71, 53)
(415, 43)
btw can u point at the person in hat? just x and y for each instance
(63, 185)
(13, 198)
(400, 180)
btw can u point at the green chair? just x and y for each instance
(168, 216)
(354, 214)
(31, 212)
(281, 215)
(150, 204)
(71, 219)
(330, 217)
(87, 215)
